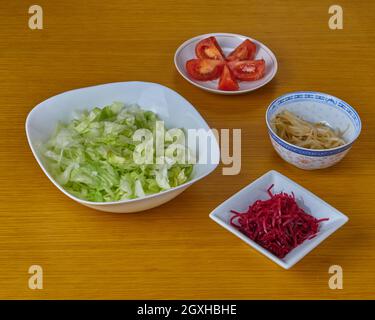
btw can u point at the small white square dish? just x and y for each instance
(171, 107)
(311, 204)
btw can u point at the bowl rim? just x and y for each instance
(317, 152)
(187, 42)
(102, 203)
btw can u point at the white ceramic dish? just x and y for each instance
(307, 200)
(228, 42)
(315, 107)
(168, 104)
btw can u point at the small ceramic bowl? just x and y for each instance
(172, 108)
(228, 42)
(305, 199)
(314, 107)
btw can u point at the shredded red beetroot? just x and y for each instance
(277, 224)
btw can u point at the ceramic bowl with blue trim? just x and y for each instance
(315, 107)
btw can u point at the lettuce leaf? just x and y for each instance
(92, 156)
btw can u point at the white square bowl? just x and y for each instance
(305, 199)
(171, 107)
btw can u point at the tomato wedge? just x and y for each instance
(248, 70)
(245, 51)
(209, 49)
(205, 69)
(227, 82)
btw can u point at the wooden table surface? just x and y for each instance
(176, 251)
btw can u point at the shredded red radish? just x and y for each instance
(277, 224)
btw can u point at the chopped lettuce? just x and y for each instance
(92, 156)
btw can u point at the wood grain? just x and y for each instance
(176, 251)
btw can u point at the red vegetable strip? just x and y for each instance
(269, 190)
(277, 224)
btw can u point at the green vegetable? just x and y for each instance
(92, 156)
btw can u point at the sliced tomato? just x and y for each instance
(248, 70)
(209, 49)
(227, 82)
(205, 69)
(245, 51)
